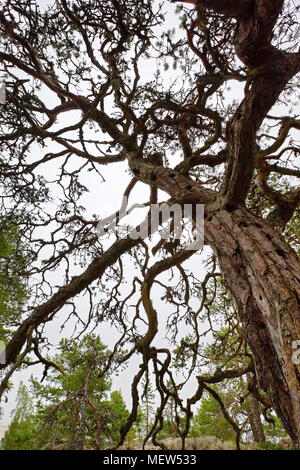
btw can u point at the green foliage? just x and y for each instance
(169, 429)
(170, 424)
(209, 421)
(274, 431)
(13, 290)
(118, 415)
(22, 431)
(81, 365)
(271, 446)
(72, 407)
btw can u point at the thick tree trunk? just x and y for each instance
(263, 275)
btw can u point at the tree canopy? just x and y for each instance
(72, 409)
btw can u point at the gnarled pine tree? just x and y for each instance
(85, 57)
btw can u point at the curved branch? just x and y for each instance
(58, 300)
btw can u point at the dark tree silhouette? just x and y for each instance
(87, 55)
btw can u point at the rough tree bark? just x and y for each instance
(255, 417)
(262, 272)
(263, 275)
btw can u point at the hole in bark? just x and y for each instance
(269, 237)
(279, 251)
(229, 207)
(153, 177)
(189, 186)
(243, 224)
(261, 325)
(172, 175)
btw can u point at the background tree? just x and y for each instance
(14, 291)
(72, 405)
(13, 278)
(77, 101)
(23, 429)
(170, 428)
(118, 414)
(209, 421)
(147, 403)
(52, 415)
